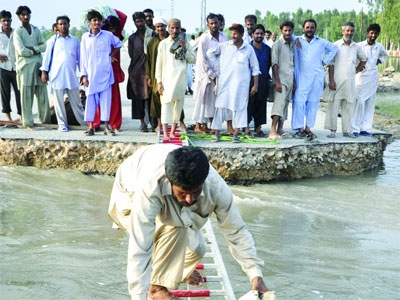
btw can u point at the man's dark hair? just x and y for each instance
(268, 31)
(237, 27)
(5, 14)
(21, 8)
(251, 17)
(311, 21)
(374, 27)
(63, 18)
(94, 14)
(187, 167)
(221, 18)
(212, 16)
(257, 26)
(149, 10)
(287, 24)
(138, 15)
(111, 22)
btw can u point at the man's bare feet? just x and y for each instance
(195, 279)
(199, 130)
(158, 292)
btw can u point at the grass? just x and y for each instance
(388, 109)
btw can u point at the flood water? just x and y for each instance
(325, 238)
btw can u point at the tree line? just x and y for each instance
(330, 22)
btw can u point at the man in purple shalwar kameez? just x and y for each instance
(96, 70)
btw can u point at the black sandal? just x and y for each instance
(89, 132)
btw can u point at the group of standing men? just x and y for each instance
(21, 59)
(231, 81)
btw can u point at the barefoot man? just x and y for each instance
(163, 195)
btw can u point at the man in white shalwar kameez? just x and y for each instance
(204, 88)
(60, 61)
(349, 60)
(367, 82)
(235, 62)
(171, 75)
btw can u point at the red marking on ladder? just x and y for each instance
(191, 293)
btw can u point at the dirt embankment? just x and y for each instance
(389, 82)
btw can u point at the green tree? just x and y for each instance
(388, 16)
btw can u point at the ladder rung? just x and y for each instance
(212, 278)
(197, 293)
(206, 266)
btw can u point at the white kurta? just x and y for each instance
(172, 72)
(366, 86)
(367, 80)
(345, 63)
(141, 189)
(235, 67)
(204, 94)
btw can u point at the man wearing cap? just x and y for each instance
(160, 25)
(163, 195)
(340, 93)
(234, 63)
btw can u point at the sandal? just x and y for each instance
(274, 137)
(331, 135)
(285, 135)
(215, 138)
(11, 126)
(89, 132)
(299, 135)
(109, 132)
(311, 136)
(144, 129)
(349, 135)
(235, 139)
(259, 134)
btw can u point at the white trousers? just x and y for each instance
(363, 116)
(75, 102)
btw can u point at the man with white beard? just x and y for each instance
(348, 61)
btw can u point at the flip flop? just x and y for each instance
(215, 138)
(331, 135)
(235, 139)
(285, 135)
(274, 137)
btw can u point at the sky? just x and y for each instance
(44, 12)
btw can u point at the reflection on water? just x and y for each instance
(325, 238)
